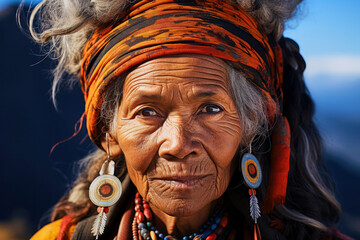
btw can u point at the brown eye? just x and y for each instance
(211, 109)
(148, 112)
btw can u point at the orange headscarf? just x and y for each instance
(151, 29)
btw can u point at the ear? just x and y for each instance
(114, 146)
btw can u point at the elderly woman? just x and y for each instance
(201, 118)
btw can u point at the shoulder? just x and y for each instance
(63, 228)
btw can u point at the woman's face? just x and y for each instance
(178, 129)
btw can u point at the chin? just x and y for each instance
(180, 205)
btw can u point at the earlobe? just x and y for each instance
(111, 145)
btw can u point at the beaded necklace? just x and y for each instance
(143, 229)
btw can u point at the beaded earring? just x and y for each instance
(105, 190)
(251, 171)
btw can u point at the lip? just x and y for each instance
(181, 181)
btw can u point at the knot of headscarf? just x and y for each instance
(151, 29)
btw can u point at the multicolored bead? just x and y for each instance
(213, 228)
(153, 235)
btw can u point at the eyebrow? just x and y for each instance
(204, 94)
(150, 96)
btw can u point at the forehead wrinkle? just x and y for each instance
(143, 89)
(159, 74)
(180, 81)
(209, 71)
(184, 63)
(165, 72)
(157, 92)
(217, 86)
(209, 75)
(157, 67)
(137, 73)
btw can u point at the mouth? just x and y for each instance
(182, 181)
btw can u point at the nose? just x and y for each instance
(177, 141)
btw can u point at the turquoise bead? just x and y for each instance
(144, 233)
(149, 224)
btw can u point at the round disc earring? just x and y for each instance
(251, 171)
(105, 190)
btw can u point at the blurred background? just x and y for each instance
(32, 180)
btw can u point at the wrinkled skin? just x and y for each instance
(179, 131)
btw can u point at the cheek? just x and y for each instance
(225, 170)
(224, 161)
(223, 141)
(137, 143)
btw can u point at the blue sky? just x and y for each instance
(327, 27)
(329, 36)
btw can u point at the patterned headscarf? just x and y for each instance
(218, 28)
